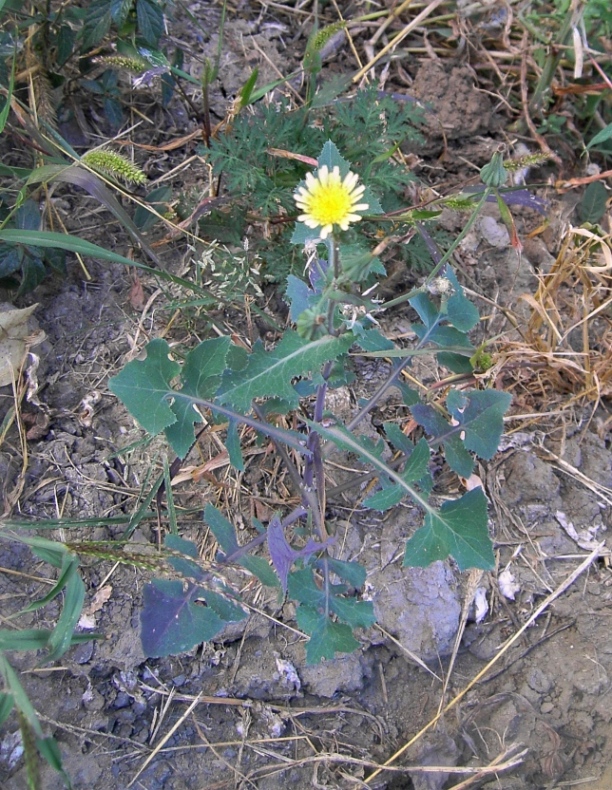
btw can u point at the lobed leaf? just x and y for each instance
(143, 386)
(225, 535)
(270, 373)
(283, 554)
(459, 529)
(200, 378)
(171, 621)
(478, 417)
(188, 568)
(326, 636)
(331, 156)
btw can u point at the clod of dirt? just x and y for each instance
(529, 479)
(457, 109)
(261, 676)
(344, 673)
(435, 749)
(419, 606)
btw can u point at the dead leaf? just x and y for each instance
(87, 620)
(16, 337)
(136, 297)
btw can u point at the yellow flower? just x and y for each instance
(329, 200)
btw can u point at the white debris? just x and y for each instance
(481, 605)
(508, 585)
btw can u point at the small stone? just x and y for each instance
(539, 681)
(122, 700)
(546, 707)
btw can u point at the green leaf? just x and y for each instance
(171, 621)
(442, 432)
(478, 427)
(415, 469)
(592, 206)
(302, 234)
(330, 89)
(357, 614)
(74, 597)
(143, 387)
(225, 535)
(6, 706)
(120, 10)
(440, 534)
(150, 21)
(232, 444)
(21, 700)
(247, 89)
(97, 23)
(222, 529)
(460, 530)
(299, 296)
(494, 174)
(50, 551)
(302, 588)
(158, 200)
(480, 414)
(326, 637)
(351, 572)
(50, 751)
(43, 238)
(183, 565)
(270, 373)
(374, 208)
(4, 113)
(602, 136)
(389, 496)
(461, 313)
(260, 568)
(68, 568)
(200, 378)
(331, 157)
(228, 611)
(28, 639)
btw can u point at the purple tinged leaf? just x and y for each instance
(172, 622)
(317, 272)
(522, 197)
(283, 555)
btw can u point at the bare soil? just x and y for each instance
(263, 718)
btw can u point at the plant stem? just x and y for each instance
(444, 259)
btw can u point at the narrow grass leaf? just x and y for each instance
(50, 751)
(4, 113)
(6, 706)
(61, 638)
(27, 639)
(21, 699)
(602, 136)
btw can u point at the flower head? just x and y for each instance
(329, 200)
